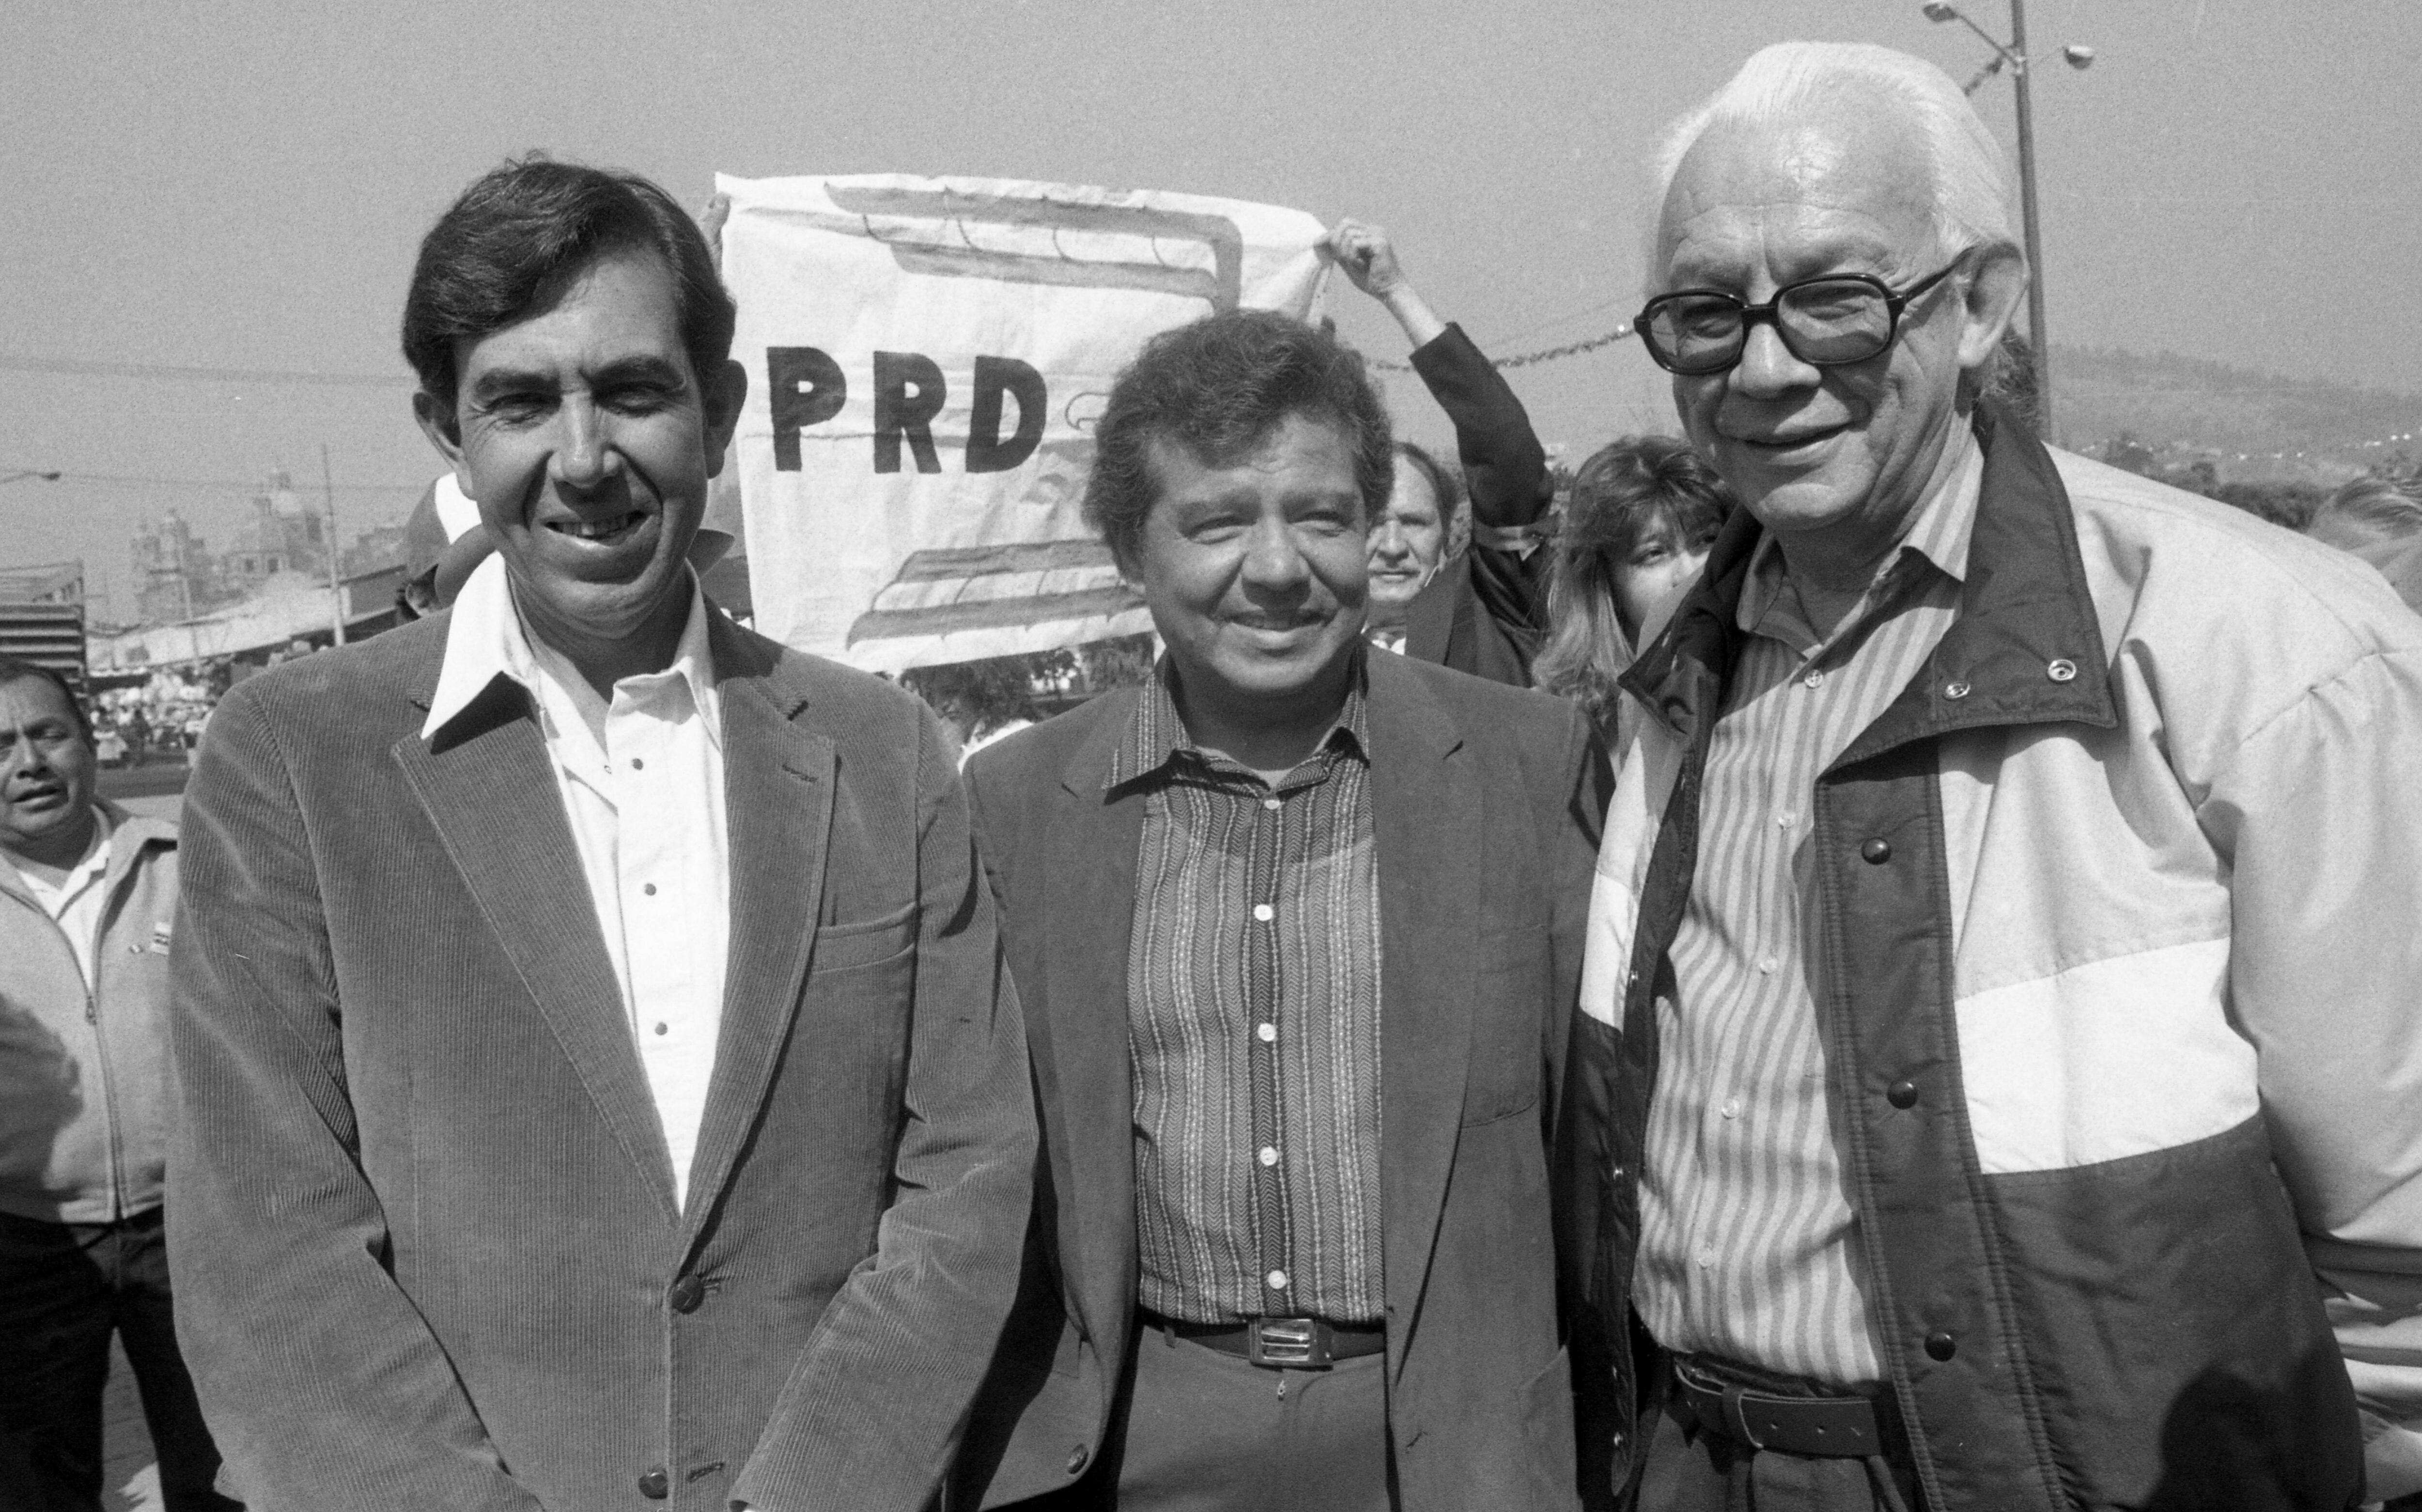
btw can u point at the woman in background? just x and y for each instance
(1636, 530)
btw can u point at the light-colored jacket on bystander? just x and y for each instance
(83, 1071)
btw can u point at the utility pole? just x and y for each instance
(2022, 74)
(336, 571)
(2039, 341)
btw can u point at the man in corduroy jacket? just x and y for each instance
(599, 1088)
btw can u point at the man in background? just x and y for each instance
(87, 901)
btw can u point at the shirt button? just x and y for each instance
(638, 764)
(1272, 803)
(1706, 1259)
(1266, 1033)
(1264, 913)
(1269, 1154)
(1732, 1107)
(1815, 677)
(648, 887)
(660, 1029)
(1784, 819)
(1275, 1281)
(1766, 965)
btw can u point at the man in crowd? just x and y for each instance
(598, 1086)
(2008, 906)
(87, 901)
(1297, 927)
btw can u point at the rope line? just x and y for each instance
(1525, 359)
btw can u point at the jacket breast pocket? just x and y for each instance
(1508, 1065)
(850, 943)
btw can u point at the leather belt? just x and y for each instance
(1826, 1427)
(1281, 1343)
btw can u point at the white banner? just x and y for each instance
(926, 358)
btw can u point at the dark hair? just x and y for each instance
(14, 670)
(1445, 482)
(521, 232)
(1218, 388)
(1619, 495)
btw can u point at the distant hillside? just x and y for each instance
(2251, 425)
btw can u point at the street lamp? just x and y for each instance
(23, 473)
(2015, 55)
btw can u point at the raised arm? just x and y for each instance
(321, 1383)
(1502, 460)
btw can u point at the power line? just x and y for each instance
(162, 372)
(250, 486)
(1525, 359)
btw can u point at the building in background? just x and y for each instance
(174, 576)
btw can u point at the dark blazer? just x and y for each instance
(1487, 803)
(421, 1212)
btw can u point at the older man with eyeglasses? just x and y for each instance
(2002, 1079)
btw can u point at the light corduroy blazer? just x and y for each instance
(420, 1210)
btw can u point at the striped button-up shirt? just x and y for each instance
(1748, 1240)
(1253, 1023)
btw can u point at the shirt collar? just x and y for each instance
(1938, 535)
(90, 868)
(486, 640)
(1157, 733)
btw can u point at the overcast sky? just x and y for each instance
(242, 186)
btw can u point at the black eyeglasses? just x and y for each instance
(1842, 317)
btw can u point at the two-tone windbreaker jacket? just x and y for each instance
(84, 1072)
(2120, 979)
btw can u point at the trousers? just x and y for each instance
(64, 1289)
(1207, 1431)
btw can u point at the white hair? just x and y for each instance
(1788, 80)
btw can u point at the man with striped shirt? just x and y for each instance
(1296, 931)
(1995, 1080)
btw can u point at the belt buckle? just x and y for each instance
(1286, 1344)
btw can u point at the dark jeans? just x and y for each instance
(63, 1289)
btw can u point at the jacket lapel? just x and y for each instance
(1427, 820)
(1081, 1039)
(778, 800)
(490, 790)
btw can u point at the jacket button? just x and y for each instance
(1903, 1094)
(655, 1484)
(687, 1294)
(1940, 1345)
(1876, 851)
(1076, 1458)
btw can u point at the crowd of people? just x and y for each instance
(1860, 962)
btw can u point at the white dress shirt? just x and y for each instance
(641, 781)
(74, 905)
